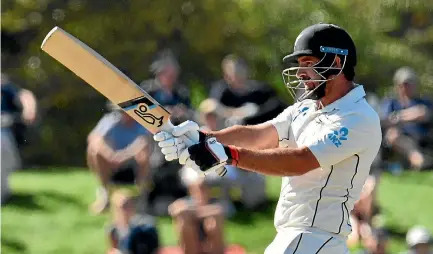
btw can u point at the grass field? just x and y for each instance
(48, 213)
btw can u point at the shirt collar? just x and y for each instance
(353, 96)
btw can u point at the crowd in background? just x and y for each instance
(137, 184)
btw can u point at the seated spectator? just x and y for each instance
(166, 89)
(130, 232)
(419, 241)
(118, 144)
(407, 120)
(18, 111)
(199, 220)
(20, 106)
(376, 243)
(256, 101)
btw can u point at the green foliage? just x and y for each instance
(388, 34)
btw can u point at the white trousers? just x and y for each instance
(307, 241)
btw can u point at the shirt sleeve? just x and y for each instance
(282, 123)
(344, 139)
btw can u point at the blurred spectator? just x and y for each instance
(20, 106)
(376, 243)
(18, 110)
(199, 220)
(130, 232)
(166, 89)
(255, 102)
(118, 147)
(419, 241)
(406, 120)
(361, 217)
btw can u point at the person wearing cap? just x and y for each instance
(322, 146)
(419, 241)
(407, 119)
(118, 147)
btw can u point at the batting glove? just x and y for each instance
(182, 136)
(209, 155)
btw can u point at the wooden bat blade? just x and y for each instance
(105, 78)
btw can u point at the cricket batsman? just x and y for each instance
(322, 146)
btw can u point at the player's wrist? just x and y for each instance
(232, 154)
(203, 135)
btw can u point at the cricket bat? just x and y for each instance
(111, 82)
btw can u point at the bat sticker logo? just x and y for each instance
(149, 118)
(140, 106)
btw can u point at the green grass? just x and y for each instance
(48, 213)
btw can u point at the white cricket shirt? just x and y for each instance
(345, 137)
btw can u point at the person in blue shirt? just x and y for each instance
(117, 143)
(18, 109)
(166, 89)
(173, 96)
(406, 120)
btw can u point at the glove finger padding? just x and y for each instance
(171, 157)
(161, 136)
(184, 156)
(170, 142)
(173, 149)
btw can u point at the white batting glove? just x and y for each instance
(183, 136)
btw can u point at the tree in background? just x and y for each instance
(388, 33)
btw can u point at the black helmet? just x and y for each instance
(324, 41)
(313, 40)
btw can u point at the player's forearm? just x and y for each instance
(277, 161)
(251, 137)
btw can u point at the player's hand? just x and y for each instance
(208, 155)
(181, 137)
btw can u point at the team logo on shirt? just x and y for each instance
(337, 137)
(302, 112)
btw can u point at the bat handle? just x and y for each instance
(219, 169)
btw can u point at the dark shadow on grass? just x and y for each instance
(28, 201)
(12, 244)
(54, 169)
(61, 198)
(396, 232)
(24, 201)
(246, 216)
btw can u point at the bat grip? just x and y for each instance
(189, 141)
